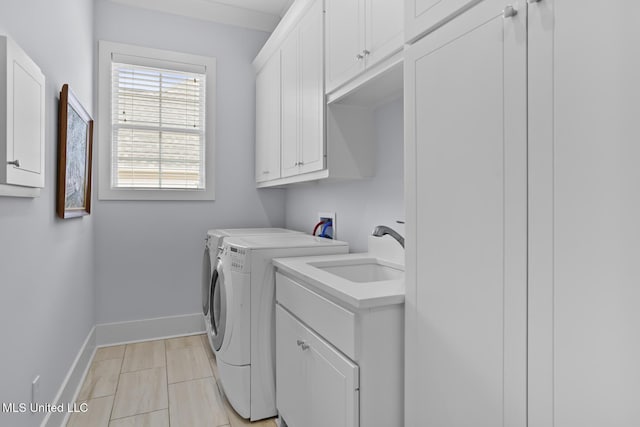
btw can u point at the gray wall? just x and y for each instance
(148, 254)
(359, 205)
(46, 264)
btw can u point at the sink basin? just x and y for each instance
(360, 271)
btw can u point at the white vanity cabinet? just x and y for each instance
(359, 34)
(336, 365)
(22, 119)
(317, 386)
(268, 120)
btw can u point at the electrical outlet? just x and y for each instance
(328, 216)
(35, 390)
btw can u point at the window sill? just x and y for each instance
(157, 195)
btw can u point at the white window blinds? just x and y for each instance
(158, 120)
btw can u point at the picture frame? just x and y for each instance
(75, 146)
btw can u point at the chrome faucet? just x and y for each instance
(381, 230)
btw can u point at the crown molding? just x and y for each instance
(210, 11)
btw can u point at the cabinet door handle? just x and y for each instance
(366, 52)
(265, 172)
(359, 57)
(302, 344)
(15, 163)
(533, 1)
(509, 11)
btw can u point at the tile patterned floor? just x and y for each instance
(164, 383)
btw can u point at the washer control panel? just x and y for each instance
(238, 259)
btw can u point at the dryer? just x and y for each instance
(212, 247)
(244, 315)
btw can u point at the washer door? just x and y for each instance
(206, 280)
(218, 307)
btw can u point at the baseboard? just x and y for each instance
(73, 381)
(149, 329)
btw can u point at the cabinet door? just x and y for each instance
(292, 395)
(290, 104)
(312, 105)
(421, 16)
(333, 386)
(316, 386)
(384, 26)
(466, 163)
(344, 41)
(268, 121)
(25, 111)
(584, 209)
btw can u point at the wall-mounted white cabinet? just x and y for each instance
(313, 141)
(22, 119)
(268, 120)
(303, 110)
(360, 34)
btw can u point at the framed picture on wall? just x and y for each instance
(75, 130)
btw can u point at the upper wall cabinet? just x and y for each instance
(423, 16)
(22, 118)
(268, 120)
(303, 96)
(299, 138)
(359, 34)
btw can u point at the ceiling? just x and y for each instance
(261, 15)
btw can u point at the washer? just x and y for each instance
(245, 301)
(212, 248)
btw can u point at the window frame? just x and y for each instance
(106, 50)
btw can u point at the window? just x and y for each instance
(156, 124)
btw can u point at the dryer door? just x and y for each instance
(218, 307)
(206, 280)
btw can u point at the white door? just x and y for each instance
(291, 376)
(466, 163)
(333, 385)
(344, 41)
(312, 105)
(384, 27)
(268, 120)
(584, 287)
(290, 104)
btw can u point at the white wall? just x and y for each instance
(359, 205)
(148, 254)
(46, 264)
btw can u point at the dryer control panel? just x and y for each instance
(237, 258)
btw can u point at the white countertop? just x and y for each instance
(358, 295)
